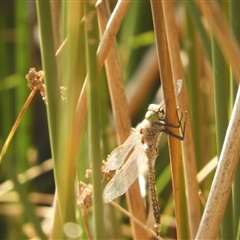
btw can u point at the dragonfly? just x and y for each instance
(139, 148)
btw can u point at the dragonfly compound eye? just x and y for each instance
(151, 116)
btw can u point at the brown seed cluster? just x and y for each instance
(84, 197)
(108, 174)
(36, 82)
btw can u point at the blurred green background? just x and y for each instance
(27, 193)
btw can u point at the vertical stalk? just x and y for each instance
(50, 72)
(221, 94)
(91, 38)
(68, 142)
(189, 159)
(221, 87)
(196, 18)
(174, 144)
(192, 74)
(234, 7)
(121, 113)
(226, 40)
(223, 179)
(49, 67)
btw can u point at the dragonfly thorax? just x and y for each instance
(150, 133)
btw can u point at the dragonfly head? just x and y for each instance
(151, 116)
(155, 113)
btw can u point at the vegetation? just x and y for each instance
(103, 65)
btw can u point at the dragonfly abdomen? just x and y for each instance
(154, 198)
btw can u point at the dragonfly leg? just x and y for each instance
(182, 127)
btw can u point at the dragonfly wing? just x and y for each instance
(117, 156)
(177, 90)
(124, 178)
(178, 87)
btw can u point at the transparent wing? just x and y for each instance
(117, 156)
(178, 87)
(177, 90)
(124, 178)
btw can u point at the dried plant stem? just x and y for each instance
(174, 144)
(88, 231)
(146, 228)
(188, 147)
(121, 116)
(105, 44)
(207, 169)
(115, 81)
(111, 30)
(224, 37)
(222, 183)
(202, 199)
(14, 128)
